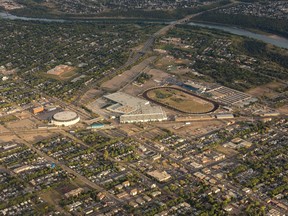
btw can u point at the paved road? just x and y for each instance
(69, 170)
(147, 47)
(235, 187)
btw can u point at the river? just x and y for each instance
(12, 17)
(271, 39)
(83, 20)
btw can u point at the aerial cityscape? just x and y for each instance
(144, 107)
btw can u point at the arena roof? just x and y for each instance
(145, 114)
(134, 109)
(126, 99)
(125, 103)
(65, 116)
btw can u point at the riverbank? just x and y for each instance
(265, 37)
(9, 16)
(262, 36)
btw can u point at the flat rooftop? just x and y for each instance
(126, 99)
(159, 176)
(125, 103)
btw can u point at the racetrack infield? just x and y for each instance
(180, 100)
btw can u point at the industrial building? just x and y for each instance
(270, 114)
(193, 118)
(224, 116)
(65, 118)
(134, 109)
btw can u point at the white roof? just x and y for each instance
(65, 116)
(126, 99)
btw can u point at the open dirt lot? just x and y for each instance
(283, 109)
(3, 129)
(9, 138)
(151, 133)
(167, 62)
(269, 90)
(23, 115)
(21, 124)
(37, 137)
(90, 95)
(158, 76)
(196, 128)
(128, 76)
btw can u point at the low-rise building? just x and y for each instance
(74, 192)
(159, 176)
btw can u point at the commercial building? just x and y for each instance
(65, 118)
(38, 109)
(159, 176)
(74, 192)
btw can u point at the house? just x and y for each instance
(134, 192)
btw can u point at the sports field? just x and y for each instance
(180, 100)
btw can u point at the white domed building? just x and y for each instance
(65, 118)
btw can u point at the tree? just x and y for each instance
(106, 155)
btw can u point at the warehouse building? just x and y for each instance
(225, 116)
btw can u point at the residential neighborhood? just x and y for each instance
(140, 117)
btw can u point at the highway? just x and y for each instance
(134, 57)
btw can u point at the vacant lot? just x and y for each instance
(180, 100)
(195, 129)
(157, 78)
(21, 124)
(128, 76)
(269, 90)
(283, 109)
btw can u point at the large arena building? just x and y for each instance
(133, 109)
(65, 118)
(124, 103)
(144, 114)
